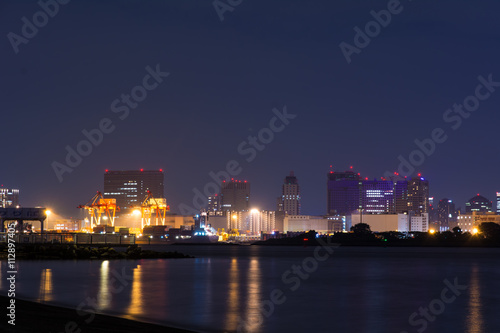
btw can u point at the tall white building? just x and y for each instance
(246, 222)
(419, 222)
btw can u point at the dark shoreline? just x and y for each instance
(32, 317)
(74, 251)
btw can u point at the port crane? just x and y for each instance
(99, 206)
(151, 205)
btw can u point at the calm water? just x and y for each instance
(354, 290)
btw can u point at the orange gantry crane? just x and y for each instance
(98, 206)
(151, 205)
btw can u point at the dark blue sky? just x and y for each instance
(225, 79)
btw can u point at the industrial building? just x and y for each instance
(391, 222)
(298, 223)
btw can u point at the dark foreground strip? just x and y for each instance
(40, 318)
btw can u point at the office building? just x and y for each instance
(393, 204)
(418, 222)
(446, 214)
(433, 211)
(343, 192)
(130, 188)
(290, 197)
(418, 195)
(400, 196)
(214, 205)
(411, 195)
(478, 204)
(9, 197)
(235, 195)
(347, 193)
(377, 196)
(498, 202)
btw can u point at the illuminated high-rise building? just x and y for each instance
(214, 205)
(343, 192)
(377, 196)
(290, 196)
(129, 188)
(478, 204)
(9, 197)
(433, 211)
(401, 196)
(418, 195)
(347, 193)
(235, 195)
(498, 202)
(447, 213)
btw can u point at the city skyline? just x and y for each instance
(463, 207)
(250, 166)
(386, 103)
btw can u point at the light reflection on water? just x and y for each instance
(349, 293)
(474, 318)
(253, 312)
(136, 295)
(104, 296)
(231, 321)
(45, 292)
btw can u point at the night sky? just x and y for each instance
(226, 77)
